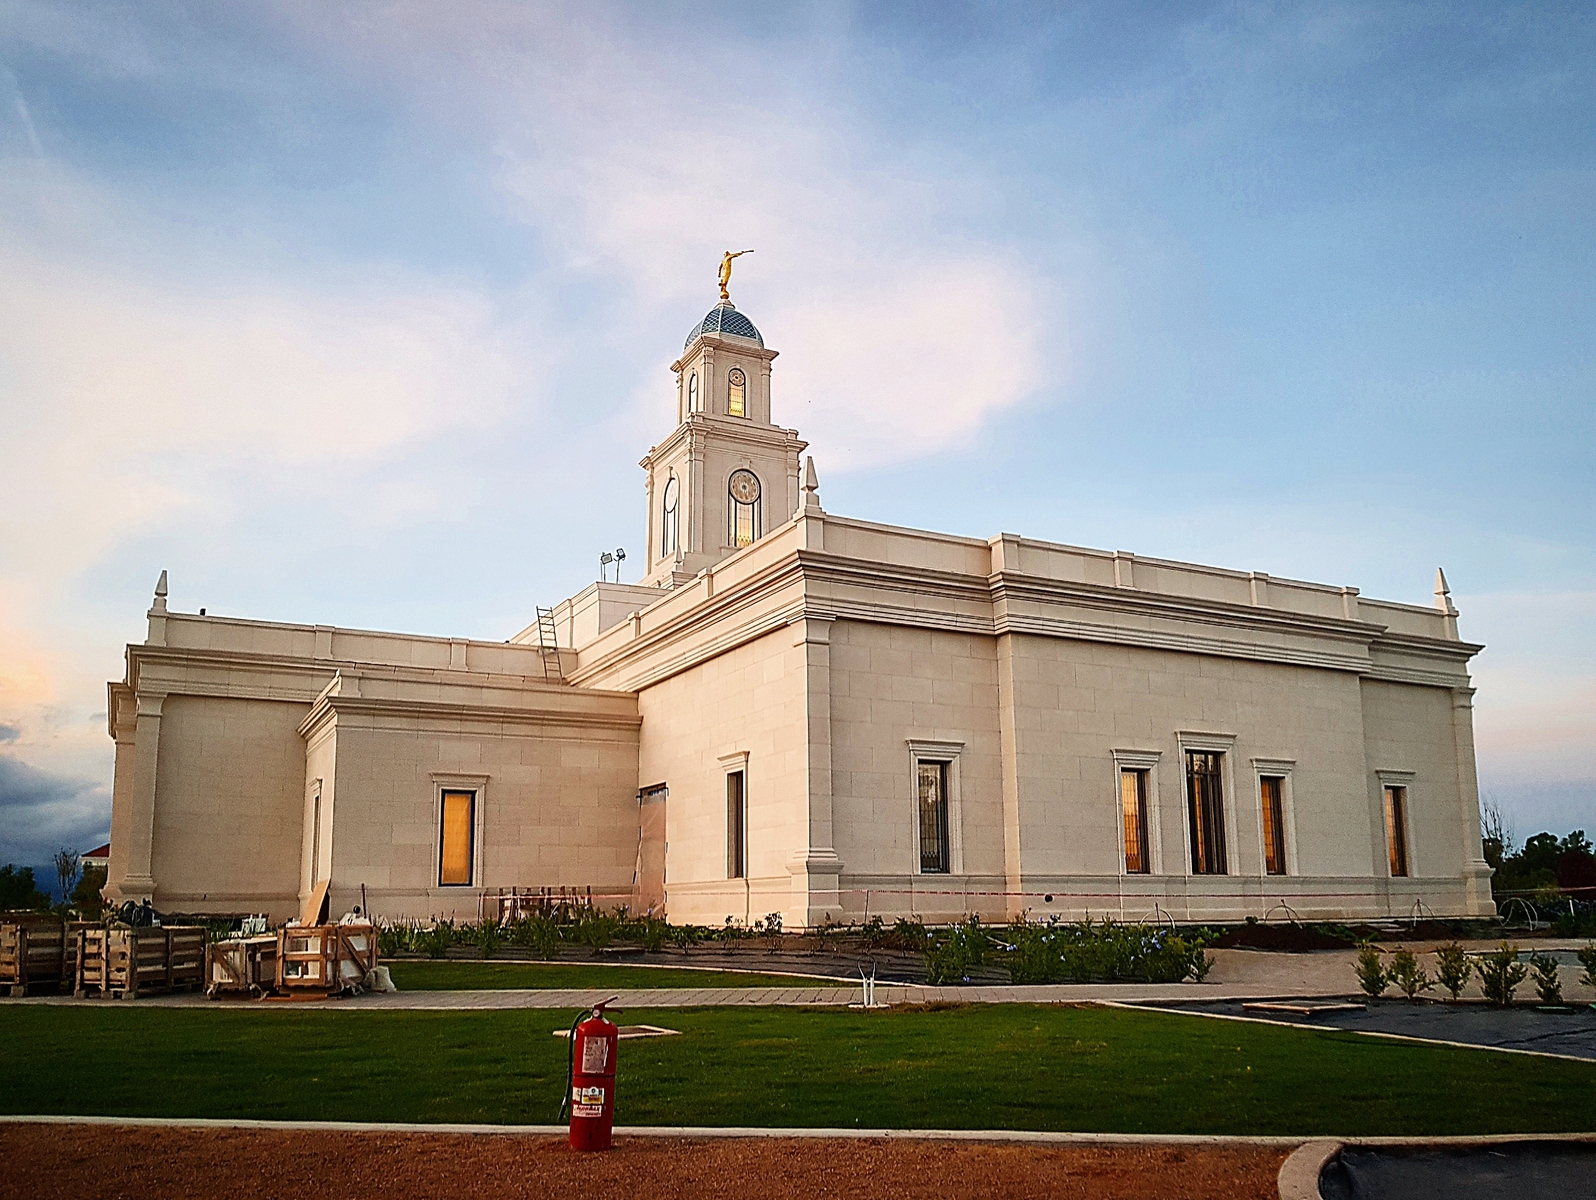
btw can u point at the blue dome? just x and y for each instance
(723, 318)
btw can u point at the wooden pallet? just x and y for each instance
(325, 959)
(38, 950)
(126, 962)
(242, 965)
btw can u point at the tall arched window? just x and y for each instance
(737, 393)
(743, 489)
(670, 526)
(692, 392)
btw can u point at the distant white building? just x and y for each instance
(808, 714)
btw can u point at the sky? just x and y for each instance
(362, 314)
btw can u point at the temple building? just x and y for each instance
(801, 713)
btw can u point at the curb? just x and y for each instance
(676, 1131)
(1299, 1174)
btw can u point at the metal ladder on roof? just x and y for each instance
(548, 643)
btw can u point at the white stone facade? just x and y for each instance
(825, 661)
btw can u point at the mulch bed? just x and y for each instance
(1280, 937)
(110, 1162)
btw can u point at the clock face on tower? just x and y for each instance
(744, 487)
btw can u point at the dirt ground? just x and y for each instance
(112, 1162)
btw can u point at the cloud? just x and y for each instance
(41, 811)
(899, 337)
(10, 733)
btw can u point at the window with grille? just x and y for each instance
(1396, 829)
(456, 839)
(743, 493)
(1272, 789)
(1133, 812)
(1205, 811)
(935, 851)
(736, 825)
(670, 523)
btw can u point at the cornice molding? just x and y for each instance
(419, 712)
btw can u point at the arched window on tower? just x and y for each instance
(692, 393)
(736, 393)
(670, 525)
(743, 490)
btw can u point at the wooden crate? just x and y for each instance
(122, 961)
(325, 958)
(244, 965)
(35, 949)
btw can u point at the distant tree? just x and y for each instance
(66, 870)
(1576, 866)
(1496, 834)
(17, 889)
(86, 896)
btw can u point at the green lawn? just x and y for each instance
(446, 975)
(974, 1067)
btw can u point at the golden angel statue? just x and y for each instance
(725, 270)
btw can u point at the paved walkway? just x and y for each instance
(1236, 975)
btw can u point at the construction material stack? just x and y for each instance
(128, 962)
(37, 949)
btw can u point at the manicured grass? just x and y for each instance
(974, 1067)
(446, 975)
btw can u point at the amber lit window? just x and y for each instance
(935, 853)
(670, 524)
(736, 826)
(1133, 809)
(1205, 810)
(1396, 829)
(1271, 788)
(692, 392)
(743, 490)
(736, 393)
(459, 821)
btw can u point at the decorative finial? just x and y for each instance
(160, 594)
(725, 271)
(811, 487)
(1443, 594)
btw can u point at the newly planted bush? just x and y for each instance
(1452, 968)
(1407, 975)
(1372, 976)
(1587, 959)
(435, 942)
(1501, 973)
(488, 937)
(963, 950)
(1548, 986)
(1082, 952)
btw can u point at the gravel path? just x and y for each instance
(108, 1162)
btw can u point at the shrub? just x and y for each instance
(488, 937)
(1501, 973)
(1587, 959)
(1548, 986)
(1084, 952)
(951, 959)
(1407, 975)
(435, 942)
(1372, 977)
(1452, 968)
(873, 933)
(540, 933)
(906, 935)
(596, 928)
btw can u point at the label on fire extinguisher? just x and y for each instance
(587, 1101)
(594, 1053)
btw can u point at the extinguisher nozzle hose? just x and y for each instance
(570, 1062)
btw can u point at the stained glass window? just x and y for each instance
(743, 492)
(1133, 811)
(1274, 825)
(1205, 808)
(454, 856)
(737, 393)
(1396, 829)
(692, 392)
(934, 855)
(670, 525)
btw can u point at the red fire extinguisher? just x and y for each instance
(590, 1078)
